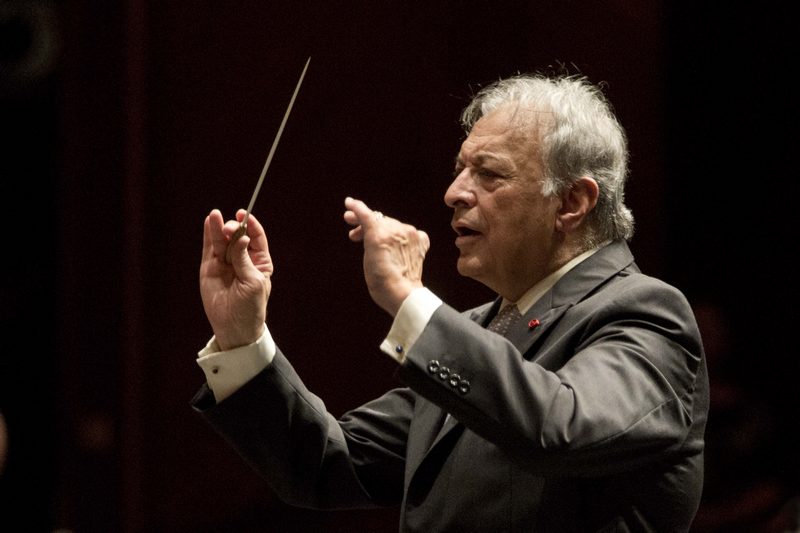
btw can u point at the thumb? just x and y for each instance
(240, 258)
(242, 263)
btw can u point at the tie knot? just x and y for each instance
(503, 320)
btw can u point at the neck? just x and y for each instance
(515, 285)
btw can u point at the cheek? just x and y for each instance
(513, 214)
(516, 209)
(523, 222)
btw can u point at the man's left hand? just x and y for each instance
(393, 254)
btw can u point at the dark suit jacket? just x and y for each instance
(592, 420)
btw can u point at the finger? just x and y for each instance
(208, 243)
(234, 230)
(257, 234)
(356, 234)
(357, 210)
(214, 240)
(351, 218)
(231, 227)
(363, 214)
(424, 241)
(259, 247)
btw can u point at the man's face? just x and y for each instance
(505, 226)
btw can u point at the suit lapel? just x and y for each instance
(483, 314)
(533, 325)
(576, 284)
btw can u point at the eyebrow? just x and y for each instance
(481, 157)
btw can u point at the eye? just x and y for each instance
(488, 173)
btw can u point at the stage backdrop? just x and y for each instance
(155, 112)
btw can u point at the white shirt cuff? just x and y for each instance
(226, 371)
(414, 314)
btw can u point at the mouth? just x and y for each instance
(465, 233)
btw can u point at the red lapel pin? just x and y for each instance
(533, 323)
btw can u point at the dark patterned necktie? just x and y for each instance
(503, 320)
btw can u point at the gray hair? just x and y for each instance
(578, 136)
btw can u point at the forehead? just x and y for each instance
(504, 133)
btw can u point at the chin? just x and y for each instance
(469, 267)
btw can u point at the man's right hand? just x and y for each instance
(235, 295)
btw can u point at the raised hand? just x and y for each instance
(235, 295)
(393, 254)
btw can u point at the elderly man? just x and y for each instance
(576, 401)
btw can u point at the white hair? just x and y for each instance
(578, 135)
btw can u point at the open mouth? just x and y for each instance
(466, 232)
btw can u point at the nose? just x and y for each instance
(460, 193)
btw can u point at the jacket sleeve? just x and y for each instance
(616, 383)
(307, 456)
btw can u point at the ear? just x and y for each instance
(576, 204)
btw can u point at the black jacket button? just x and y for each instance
(433, 366)
(444, 372)
(463, 386)
(454, 380)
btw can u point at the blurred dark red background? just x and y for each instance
(124, 123)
